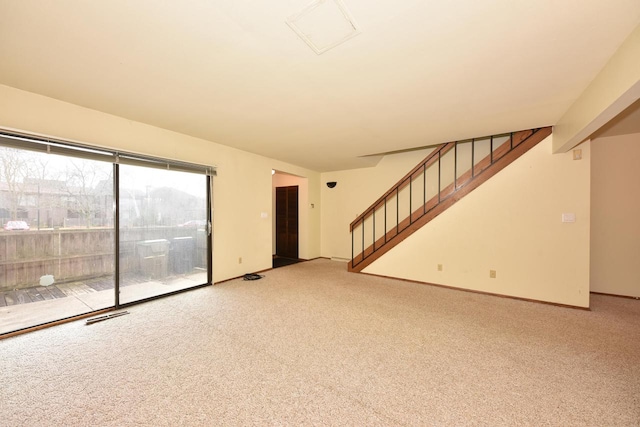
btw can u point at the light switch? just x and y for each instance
(264, 215)
(568, 217)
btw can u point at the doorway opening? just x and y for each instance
(287, 202)
(290, 201)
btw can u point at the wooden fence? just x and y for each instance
(72, 255)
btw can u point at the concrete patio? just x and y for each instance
(37, 305)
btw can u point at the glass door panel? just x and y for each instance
(163, 231)
(56, 238)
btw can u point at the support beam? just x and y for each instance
(615, 88)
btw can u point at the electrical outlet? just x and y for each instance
(492, 274)
(439, 267)
(240, 260)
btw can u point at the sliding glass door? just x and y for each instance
(163, 231)
(85, 229)
(57, 237)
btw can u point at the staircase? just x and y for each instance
(450, 172)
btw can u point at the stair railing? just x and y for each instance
(447, 169)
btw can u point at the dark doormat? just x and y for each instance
(281, 262)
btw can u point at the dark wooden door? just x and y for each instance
(287, 222)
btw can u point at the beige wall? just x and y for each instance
(511, 224)
(615, 215)
(304, 209)
(242, 189)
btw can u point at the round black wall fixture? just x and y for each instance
(331, 184)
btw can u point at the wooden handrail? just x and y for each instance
(516, 138)
(518, 143)
(403, 182)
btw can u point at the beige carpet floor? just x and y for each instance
(310, 344)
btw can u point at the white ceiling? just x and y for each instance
(232, 72)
